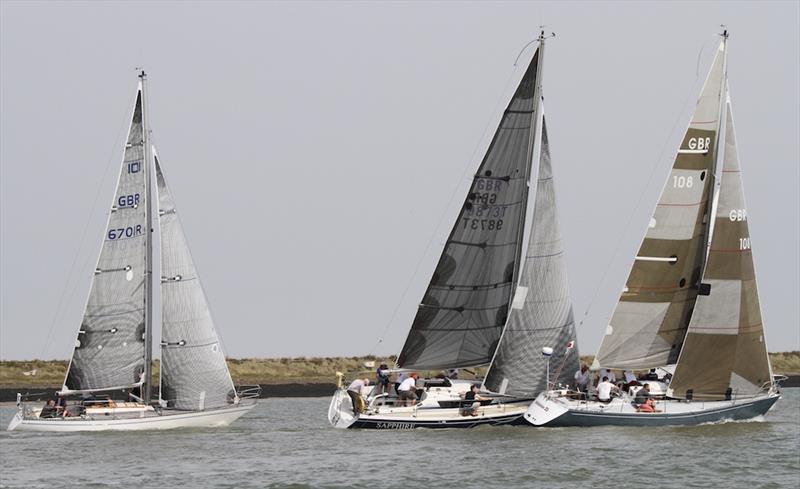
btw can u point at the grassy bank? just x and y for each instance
(276, 370)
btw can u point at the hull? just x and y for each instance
(556, 412)
(423, 415)
(166, 421)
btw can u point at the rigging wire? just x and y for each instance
(653, 169)
(101, 184)
(445, 212)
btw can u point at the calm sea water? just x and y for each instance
(287, 443)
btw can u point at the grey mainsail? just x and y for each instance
(110, 348)
(649, 323)
(194, 374)
(724, 346)
(462, 314)
(541, 313)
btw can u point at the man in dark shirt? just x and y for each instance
(642, 395)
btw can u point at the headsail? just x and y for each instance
(110, 347)
(725, 345)
(541, 313)
(466, 304)
(649, 323)
(194, 374)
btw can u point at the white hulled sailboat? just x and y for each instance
(113, 350)
(499, 291)
(690, 306)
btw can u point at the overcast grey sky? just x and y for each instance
(313, 149)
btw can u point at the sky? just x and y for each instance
(318, 151)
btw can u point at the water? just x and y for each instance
(287, 443)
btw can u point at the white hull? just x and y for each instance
(426, 414)
(553, 409)
(150, 421)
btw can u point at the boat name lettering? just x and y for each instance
(128, 200)
(738, 215)
(483, 224)
(700, 143)
(126, 232)
(395, 426)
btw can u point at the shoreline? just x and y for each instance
(288, 389)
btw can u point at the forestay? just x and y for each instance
(541, 313)
(466, 304)
(649, 323)
(725, 347)
(109, 350)
(194, 374)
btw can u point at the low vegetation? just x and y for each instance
(279, 370)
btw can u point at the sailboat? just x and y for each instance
(113, 350)
(498, 294)
(690, 309)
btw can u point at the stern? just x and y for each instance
(543, 410)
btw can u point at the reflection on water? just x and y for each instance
(288, 443)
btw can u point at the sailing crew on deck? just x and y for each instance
(630, 380)
(407, 391)
(643, 400)
(606, 372)
(399, 380)
(354, 391)
(604, 390)
(382, 379)
(472, 395)
(49, 410)
(582, 378)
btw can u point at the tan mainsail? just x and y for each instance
(649, 323)
(724, 346)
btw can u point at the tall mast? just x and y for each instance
(531, 144)
(714, 194)
(147, 388)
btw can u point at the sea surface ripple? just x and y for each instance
(287, 443)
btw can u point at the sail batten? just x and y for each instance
(456, 327)
(110, 345)
(649, 323)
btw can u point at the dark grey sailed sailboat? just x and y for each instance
(690, 306)
(499, 291)
(113, 349)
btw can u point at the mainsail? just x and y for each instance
(541, 313)
(194, 374)
(649, 323)
(465, 307)
(724, 347)
(110, 348)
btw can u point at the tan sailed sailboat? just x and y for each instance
(690, 307)
(108, 382)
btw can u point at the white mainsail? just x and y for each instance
(110, 347)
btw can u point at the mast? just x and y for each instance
(147, 388)
(713, 176)
(531, 143)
